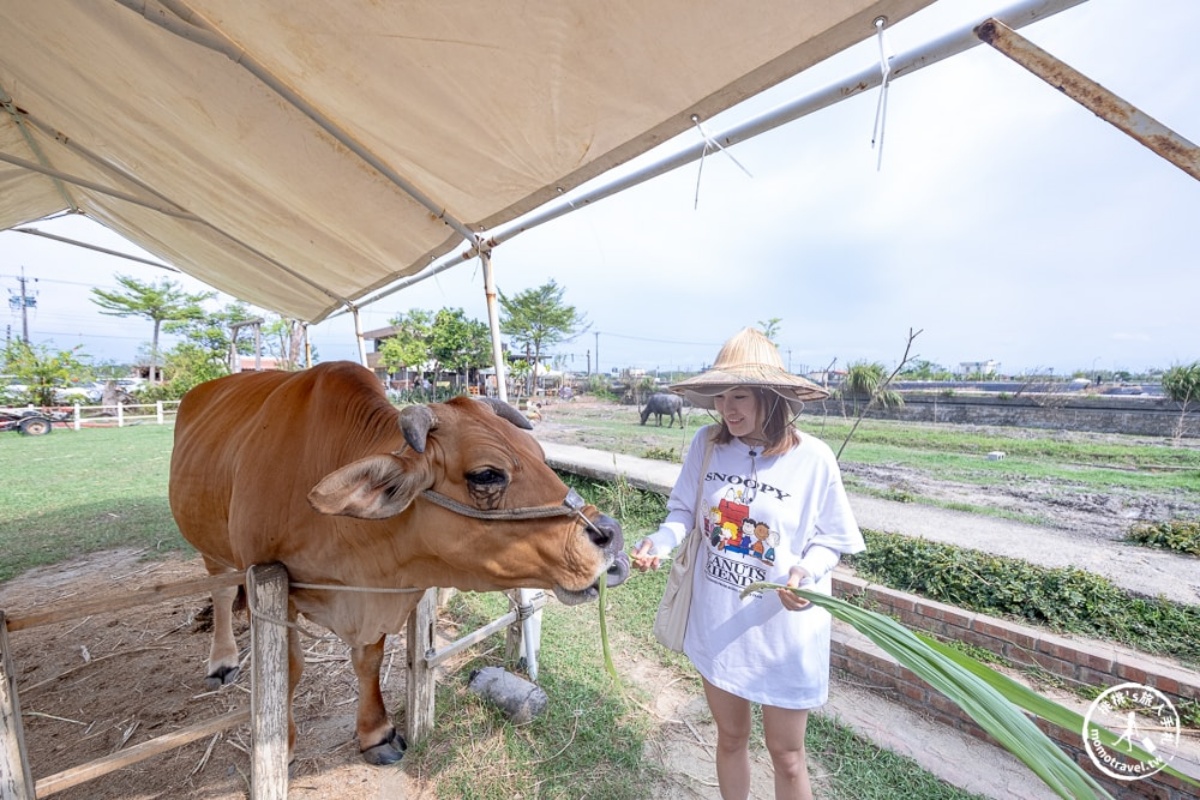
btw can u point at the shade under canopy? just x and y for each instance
(301, 155)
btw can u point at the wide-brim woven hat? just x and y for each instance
(749, 358)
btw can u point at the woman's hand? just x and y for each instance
(641, 558)
(790, 600)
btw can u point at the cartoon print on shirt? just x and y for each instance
(764, 548)
(731, 529)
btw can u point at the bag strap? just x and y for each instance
(710, 435)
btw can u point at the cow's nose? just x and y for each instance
(605, 533)
(618, 572)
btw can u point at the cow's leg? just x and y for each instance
(223, 664)
(378, 739)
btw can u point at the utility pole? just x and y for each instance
(597, 352)
(23, 301)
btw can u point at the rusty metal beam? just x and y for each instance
(1092, 96)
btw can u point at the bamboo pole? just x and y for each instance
(139, 752)
(139, 597)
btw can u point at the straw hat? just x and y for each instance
(749, 358)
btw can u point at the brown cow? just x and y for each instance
(318, 471)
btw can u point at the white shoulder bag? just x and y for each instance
(670, 622)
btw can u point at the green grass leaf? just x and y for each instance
(979, 698)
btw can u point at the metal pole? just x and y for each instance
(489, 292)
(531, 626)
(186, 24)
(97, 248)
(958, 41)
(258, 346)
(358, 336)
(1092, 96)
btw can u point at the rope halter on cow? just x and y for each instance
(571, 505)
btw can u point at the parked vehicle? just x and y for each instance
(30, 422)
(82, 393)
(12, 390)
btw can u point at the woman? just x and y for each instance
(774, 509)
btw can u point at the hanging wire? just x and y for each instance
(885, 69)
(714, 145)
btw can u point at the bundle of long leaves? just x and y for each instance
(993, 700)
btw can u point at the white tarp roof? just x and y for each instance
(484, 109)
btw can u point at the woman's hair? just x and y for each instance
(777, 426)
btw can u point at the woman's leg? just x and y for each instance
(732, 715)
(784, 729)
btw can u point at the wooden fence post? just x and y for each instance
(267, 588)
(16, 781)
(418, 717)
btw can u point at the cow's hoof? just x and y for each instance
(389, 751)
(222, 677)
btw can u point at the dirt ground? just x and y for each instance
(105, 683)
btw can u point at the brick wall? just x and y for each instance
(1076, 662)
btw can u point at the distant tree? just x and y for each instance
(867, 382)
(408, 347)
(520, 371)
(457, 343)
(204, 352)
(1182, 384)
(770, 328)
(43, 370)
(158, 302)
(872, 381)
(283, 339)
(537, 319)
(923, 370)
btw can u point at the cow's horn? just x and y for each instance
(417, 422)
(503, 409)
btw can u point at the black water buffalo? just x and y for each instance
(661, 403)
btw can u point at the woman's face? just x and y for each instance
(739, 408)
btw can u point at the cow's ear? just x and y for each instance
(373, 488)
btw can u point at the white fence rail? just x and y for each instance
(79, 416)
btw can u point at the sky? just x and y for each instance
(1003, 222)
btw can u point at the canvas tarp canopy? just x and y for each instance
(301, 155)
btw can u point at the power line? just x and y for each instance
(658, 341)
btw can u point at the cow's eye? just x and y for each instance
(487, 477)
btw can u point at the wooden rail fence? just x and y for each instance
(267, 587)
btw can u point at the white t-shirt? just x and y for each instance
(761, 516)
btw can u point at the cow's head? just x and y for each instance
(475, 506)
